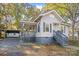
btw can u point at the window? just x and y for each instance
(50, 27)
(56, 26)
(38, 27)
(45, 27)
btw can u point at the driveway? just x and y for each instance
(10, 42)
(8, 47)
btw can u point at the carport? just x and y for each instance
(12, 33)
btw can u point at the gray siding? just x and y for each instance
(44, 40)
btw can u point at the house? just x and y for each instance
(46, 24)
(43, 29)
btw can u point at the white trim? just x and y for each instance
(44, 34)
(48, 13)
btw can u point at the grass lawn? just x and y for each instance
(74, 42)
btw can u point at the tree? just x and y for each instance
(16, 11)
(67, 9)
(32, 11)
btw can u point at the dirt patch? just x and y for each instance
(47, 50)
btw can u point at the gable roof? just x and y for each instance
(52, 11)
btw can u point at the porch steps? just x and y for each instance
(60, 38)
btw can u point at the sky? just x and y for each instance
(38, 5)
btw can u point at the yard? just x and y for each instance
(13, 47)
(74, 42)
(47, 50)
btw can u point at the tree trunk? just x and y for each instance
(73, 30)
